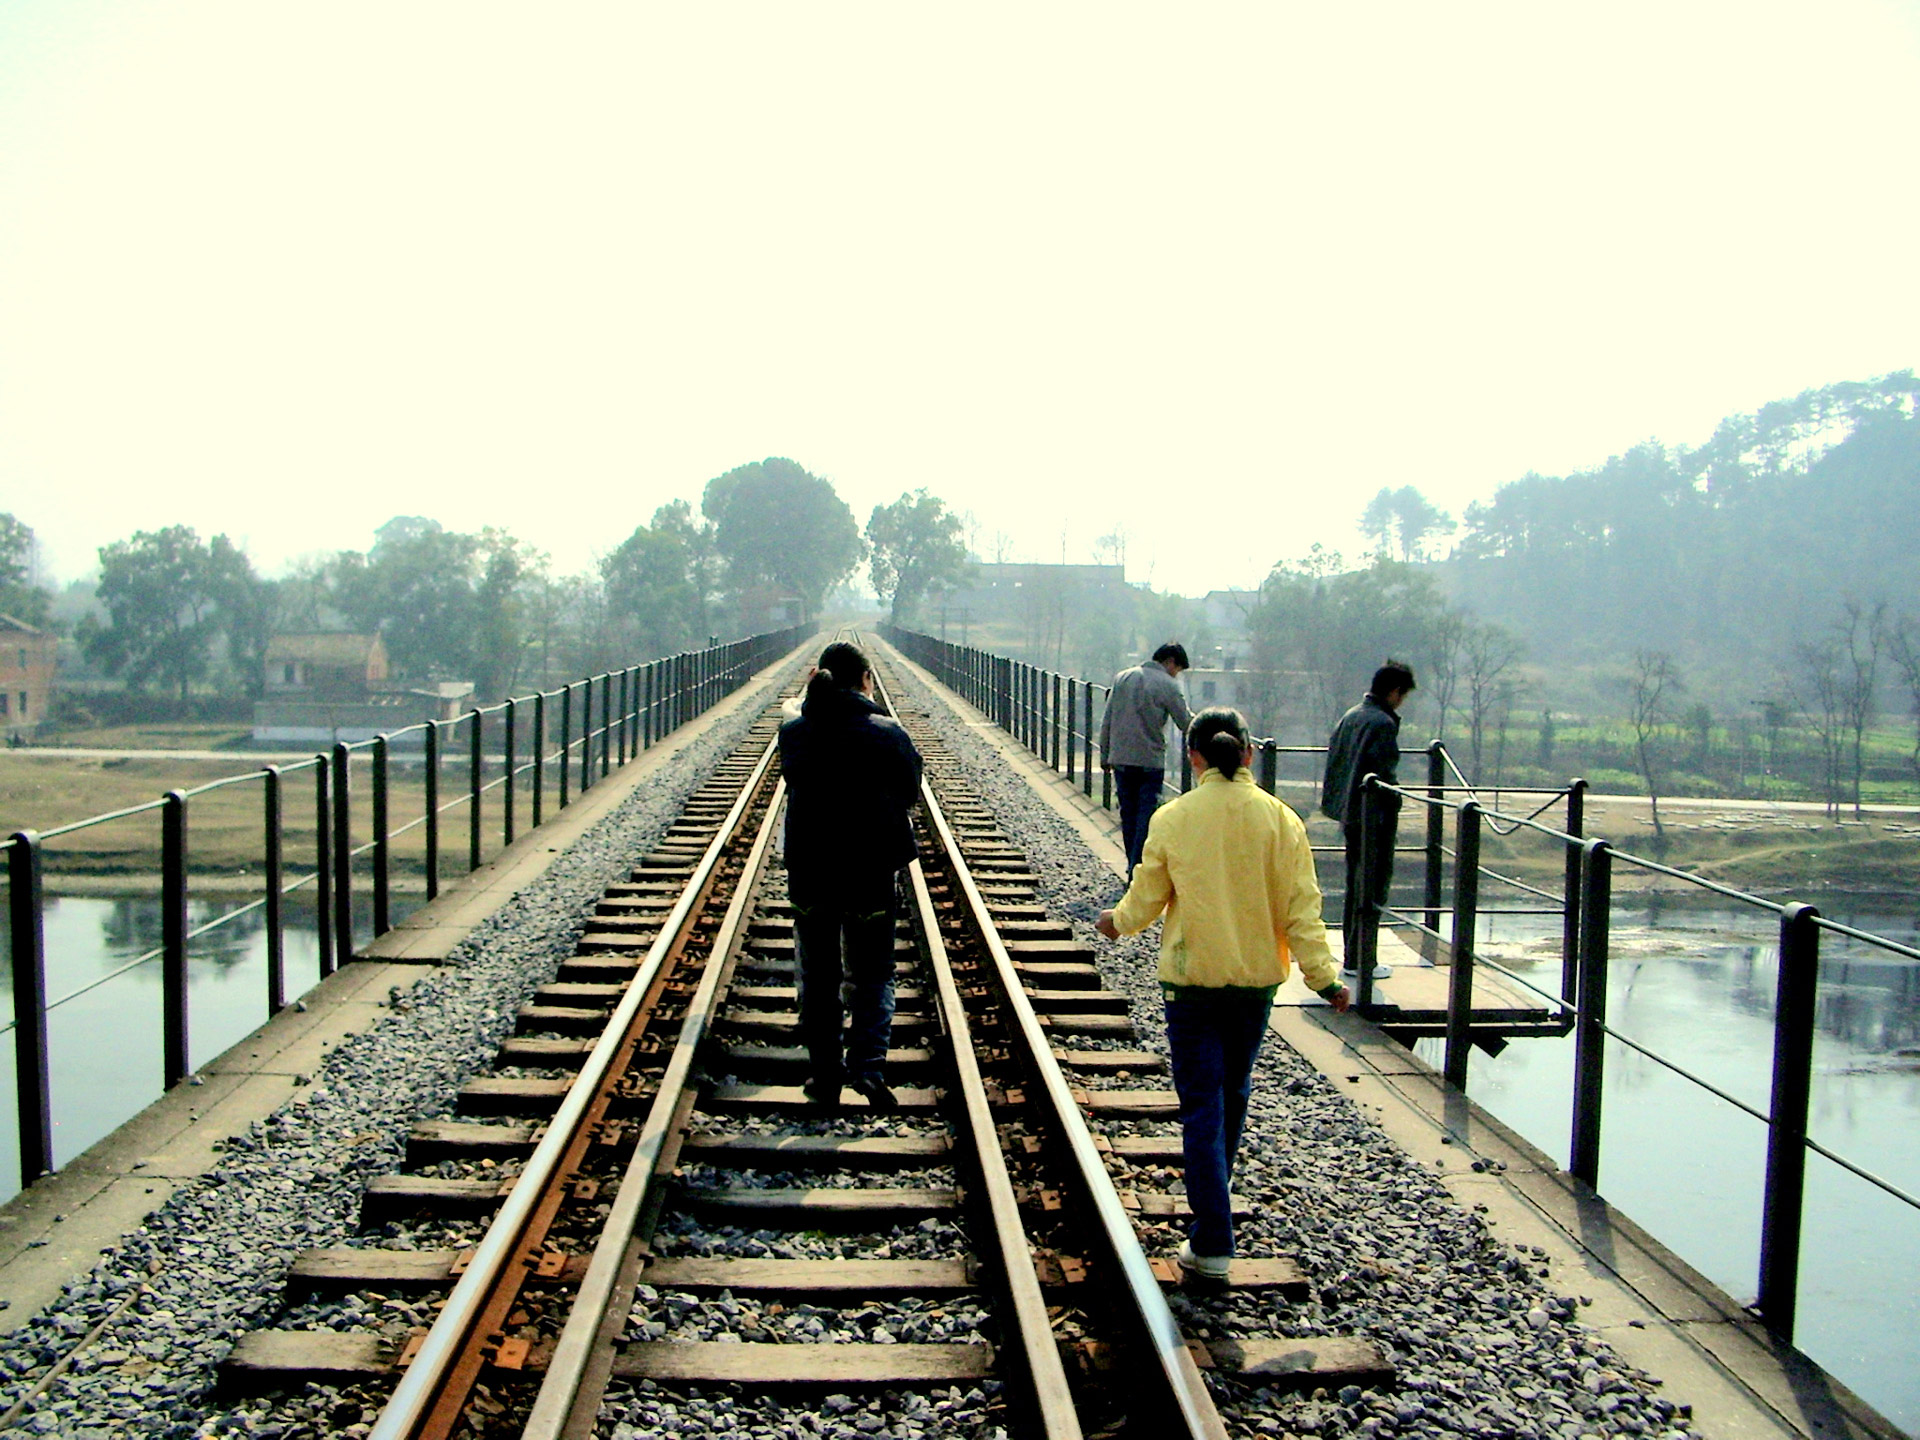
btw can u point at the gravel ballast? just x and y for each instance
(213, 1259)
(1482, 1347)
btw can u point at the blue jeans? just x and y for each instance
(1138, 790)
(859, 912)
(1212, 1039)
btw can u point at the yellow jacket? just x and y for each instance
(1232, 868)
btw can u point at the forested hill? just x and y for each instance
(1726, 555)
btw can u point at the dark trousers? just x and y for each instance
(1212, 1041)
(855, 916)
(1358, 925)
(1138, 790)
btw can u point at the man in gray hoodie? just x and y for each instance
(1133, 739)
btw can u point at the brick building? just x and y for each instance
(26, 676)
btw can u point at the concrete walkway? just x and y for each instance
(1656, 1311)
(57, 1229)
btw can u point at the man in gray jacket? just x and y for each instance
(1367, 742)
(1133, 739)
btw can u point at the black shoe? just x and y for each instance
(880, 1100)
(823, 1093)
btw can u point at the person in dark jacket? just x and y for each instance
(1367, 742)
(852, 779)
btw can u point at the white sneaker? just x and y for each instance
(1380, 972)
(1205, 1267)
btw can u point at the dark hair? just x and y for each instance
(842, 667)
(1176, 652)
(1394, 675)
(1220, 734)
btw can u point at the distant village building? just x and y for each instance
(762, 608)
(26, 676)
(324, 688)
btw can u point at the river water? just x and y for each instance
(1693, 984)
(1696, 985)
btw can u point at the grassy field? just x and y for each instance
(148, 737)
(42, 790)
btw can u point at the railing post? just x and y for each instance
(1570, 920)
(646, 708)
(382, 847)
(476, 765)
(27, 927)
(606, 722)
(1436, 832)
(1466, 909)
(1368, 928)
(625, 680)
(566, 739)
(270, 813)
(1053, 705)
(430, 769)
(1595, 860)
(323, 860)
(1270, 766)
(633, 711)
(1793, 1016)
(342, 853)
(1086, 738)
(507, 782)
(173, 938)
(1106, 769)
(539, 756)
(586, 734)
(1070, 713)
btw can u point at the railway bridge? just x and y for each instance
(521, 1149)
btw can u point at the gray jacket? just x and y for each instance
(1134, 729)
(1365, 742)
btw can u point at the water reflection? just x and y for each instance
(96, 1088)
(1697, 984)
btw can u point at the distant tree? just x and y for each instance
(1861, 633)
(914, 546)
(1403, 520)
(1543, 750)
(650, 587)
(1327, 629)
(1488, 654)
(1818, 686)
(170, 596)
(448, 605)
(1903, 647)
(777, 524)
(706, 571)
(20, 597)
(1652, 684)
(1699, 724)
(246, 606)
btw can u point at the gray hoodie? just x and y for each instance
(1134, 729)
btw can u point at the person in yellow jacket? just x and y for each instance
(1231, 868)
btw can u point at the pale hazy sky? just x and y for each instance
(1214, 273)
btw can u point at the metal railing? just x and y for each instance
(602, 722)
(1590, 864)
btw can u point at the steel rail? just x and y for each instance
(1046, 1374)
(417, 1394)
(564, 1389)
(1183, 1387)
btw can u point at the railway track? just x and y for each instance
(648, 1111)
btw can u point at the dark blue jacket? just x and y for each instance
(852, 779)
(1365, 742)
